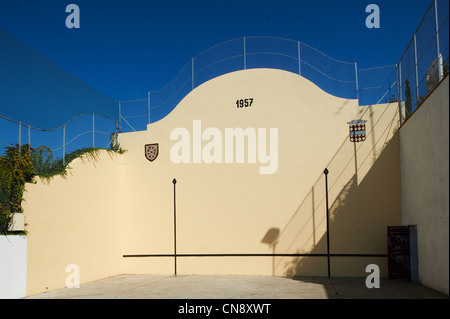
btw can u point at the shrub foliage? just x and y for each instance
(20, 164)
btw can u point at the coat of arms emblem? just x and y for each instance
(357, 131)
(151, 151)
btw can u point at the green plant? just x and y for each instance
(20, 165)
(16, 169)
(45, 165)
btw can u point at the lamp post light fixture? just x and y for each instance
(175, 225)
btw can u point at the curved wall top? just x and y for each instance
(335, 77)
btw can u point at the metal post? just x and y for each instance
(120, 117)
(417, 73)
(328, 226)
(148, 102)
(356, 161)
(245, 56)
(439, 60)
(174, 224)
(299, 61)
(356, 81)
(400, 93)
(20, 134)
(93, 130)
(64, 145)
(29, 140)
(116, 137)
(192, 73)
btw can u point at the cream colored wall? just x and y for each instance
(123, 205)
(74, 220)
(425, 198)
(229, 208)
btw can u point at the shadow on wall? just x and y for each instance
(362, 205)
(271, 239)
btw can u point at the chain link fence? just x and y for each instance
(338, 78)
(424, 62)
(377, 85)
(422, 66)
(26, 150)
(84, 131)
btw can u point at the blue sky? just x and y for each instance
(125, 48)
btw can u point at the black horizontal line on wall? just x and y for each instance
(254, 255)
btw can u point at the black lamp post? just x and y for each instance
(175, 224)
(328, 225)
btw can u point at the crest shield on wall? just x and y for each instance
(151, 151)
(357, 131)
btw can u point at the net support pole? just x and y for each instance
(64, 145)
(174, 226)
(245, 56)
(416, 68)
(192, 70)
(356, 82)
(20, 134)
(93, 130)
(439, 57)
(29, 140)
(328, 225)
(399, 91)
(120, 117)
(148, 106)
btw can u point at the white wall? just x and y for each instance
(13, 267)
(424, 158)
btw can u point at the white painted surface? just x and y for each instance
(424, 153)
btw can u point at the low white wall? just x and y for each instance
(13, 267)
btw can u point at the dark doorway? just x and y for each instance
(399, 263)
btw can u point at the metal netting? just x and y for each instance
(335, 77)
(424, 62)
(420, 69)
(84, 131)
(377, 85)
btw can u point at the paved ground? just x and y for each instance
(239, 287)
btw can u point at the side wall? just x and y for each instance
(74, 221)
(424, 140)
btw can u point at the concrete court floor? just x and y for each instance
(239, 287)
